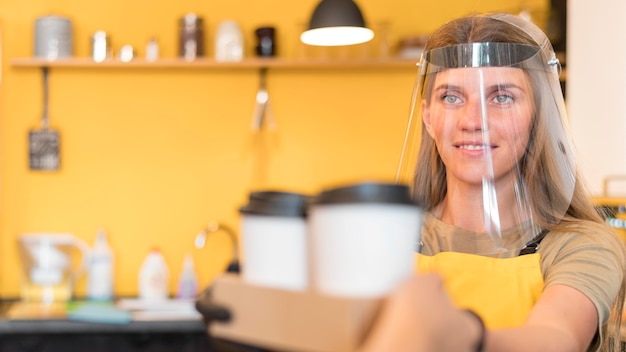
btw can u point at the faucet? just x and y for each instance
(214, 226)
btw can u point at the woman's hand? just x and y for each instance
(419, 316)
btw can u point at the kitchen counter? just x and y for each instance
(59, 326)
(56, 333)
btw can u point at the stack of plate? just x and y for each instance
(53, 37)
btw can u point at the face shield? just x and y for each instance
(493, 140)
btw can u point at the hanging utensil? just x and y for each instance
(262, 113)
(43, 144)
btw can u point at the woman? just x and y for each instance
(508, 224)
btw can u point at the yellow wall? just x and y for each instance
(151, 155)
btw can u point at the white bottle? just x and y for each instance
(229, 42)
(152, 50)
(188, 280)
(154, 277)
(100, 279)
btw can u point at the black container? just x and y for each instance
(266, 41)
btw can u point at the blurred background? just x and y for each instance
(152, 154)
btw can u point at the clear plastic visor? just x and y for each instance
(492, 128)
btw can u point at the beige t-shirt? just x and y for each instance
(586, 257)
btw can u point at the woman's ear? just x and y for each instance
(426, 118)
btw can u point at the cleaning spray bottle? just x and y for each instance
(154, 277)
(188, 280)
(100, 278)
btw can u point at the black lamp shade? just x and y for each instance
(337, 13)
(336, 22)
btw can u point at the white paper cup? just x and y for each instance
(274, 240)
(363, 239)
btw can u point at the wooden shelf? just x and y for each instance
(81, 62)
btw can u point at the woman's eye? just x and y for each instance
(503, 98)
(451, 99)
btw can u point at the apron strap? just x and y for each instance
(532, 246)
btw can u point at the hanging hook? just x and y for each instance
(262, 113)
(45, 119)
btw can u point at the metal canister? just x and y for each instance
(190, 36)
(53, 37)
(101, 46)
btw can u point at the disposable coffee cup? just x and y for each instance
(363, 238)
(274, 240)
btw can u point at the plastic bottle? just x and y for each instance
(152, 50)
(100, 279)
(154, 277)
(188, 280)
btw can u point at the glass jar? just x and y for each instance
(190, 37)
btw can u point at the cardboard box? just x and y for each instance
(290, 321)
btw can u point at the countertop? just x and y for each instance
(57, 332)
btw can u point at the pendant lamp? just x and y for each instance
(336, 23)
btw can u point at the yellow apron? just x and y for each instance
(501, 290)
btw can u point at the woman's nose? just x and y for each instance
(472, 116)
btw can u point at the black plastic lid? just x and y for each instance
(366, 192)
(276, 203)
